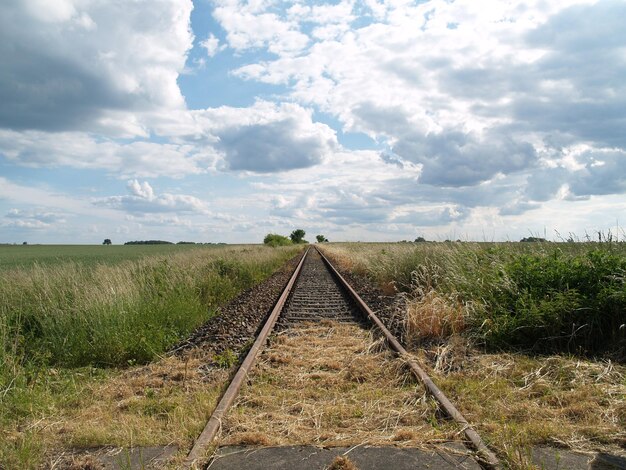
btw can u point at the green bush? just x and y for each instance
(559, 302)
(274, 240)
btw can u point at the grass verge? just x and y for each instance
(523, 337)
(67, 326)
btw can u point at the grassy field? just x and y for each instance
(75, 320)
(28, 255)
(536, 330)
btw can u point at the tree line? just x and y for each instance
(296, 237)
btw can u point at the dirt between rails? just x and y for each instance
(237, 323)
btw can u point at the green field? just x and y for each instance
(25, 255)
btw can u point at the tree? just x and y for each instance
(107, 241)
(297, 236)
(420, 240)
(533, 240)
(273, 239)
(321, 238)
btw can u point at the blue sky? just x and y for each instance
(360, 119)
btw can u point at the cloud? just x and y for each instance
(70, 65)
(456, 158)
(85, 151)
(32, 219)
(267, 137)
(212, 45)
(249, 26)
(143, 200)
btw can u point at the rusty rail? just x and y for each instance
(483, 451)
(198, 451)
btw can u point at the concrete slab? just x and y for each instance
(365, 458)
(550, 458)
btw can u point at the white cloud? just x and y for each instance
(85, 64)
(143, 200)
(265, 137)
(268, 137)
(249, 25)
(32, 219)
(80, 150)
(212, 45)
(481, 111)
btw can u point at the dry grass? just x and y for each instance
(553, 400)
(342, 463)
(67, 328)
(330, 384)
(164, 403)
(433, 316)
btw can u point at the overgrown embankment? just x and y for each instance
(521, 336)
(543, 297)
(60, 324)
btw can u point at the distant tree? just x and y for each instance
(107, 241)
(420, 240)
(25, 243)
(149, 242)
(532, 239)
(321, 238)
(273, 239)
(297, 236)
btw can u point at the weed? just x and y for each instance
(225, 360)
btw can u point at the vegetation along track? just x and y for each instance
(317, 293)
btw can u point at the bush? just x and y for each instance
(273, 239)
(560, 302)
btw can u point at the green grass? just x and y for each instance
(567, 297)
(64, 320)
(28, 255)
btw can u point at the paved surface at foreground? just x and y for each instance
(364, 458)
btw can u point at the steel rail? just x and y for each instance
(198, 451)
(484, 452)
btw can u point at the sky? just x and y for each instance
(371, 120)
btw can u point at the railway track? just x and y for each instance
(317, 293)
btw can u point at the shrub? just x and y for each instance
(273, 239)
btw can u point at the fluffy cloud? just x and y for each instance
(266, 137)
(478, 112)
(70, 64)
(80, 150)
(212, 45)
(32, 219)
(262, 138)
(250, 25)
(476, 91)
(142, 200)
